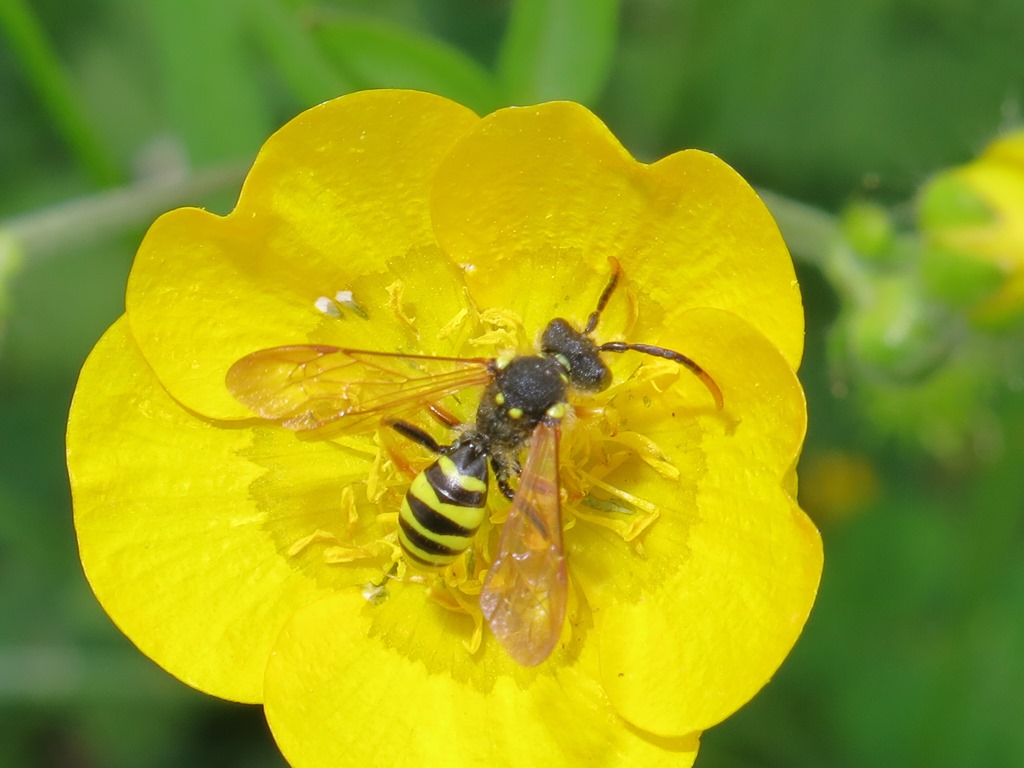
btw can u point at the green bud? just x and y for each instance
(957, 278)
(948, 201)
(972, 228)
(897, 335)
(868, 229)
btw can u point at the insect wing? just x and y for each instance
(524, 595)
(312, 387)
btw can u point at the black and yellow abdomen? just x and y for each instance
(444, 506)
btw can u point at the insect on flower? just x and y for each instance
(327, 390)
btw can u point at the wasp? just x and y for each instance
(326, 390)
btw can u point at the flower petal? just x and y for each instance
(184, 526)
(531, 190)
(338, 693)
(699, 643)
(332, 198)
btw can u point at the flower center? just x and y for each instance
(346, 533)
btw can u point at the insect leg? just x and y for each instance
(389, 575)
(443, 417)
(417, 435)
(376, 593)
(502, 472)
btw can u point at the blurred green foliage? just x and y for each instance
(914, 654)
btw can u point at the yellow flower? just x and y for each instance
(973, 221)
(241, 557)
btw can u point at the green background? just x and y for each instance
(914, 654)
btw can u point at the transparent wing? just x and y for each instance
(524, 595)
(311, 387)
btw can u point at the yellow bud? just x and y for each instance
(972, 220)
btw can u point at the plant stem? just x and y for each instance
(810, 232)
(50, 674)
(89, 219)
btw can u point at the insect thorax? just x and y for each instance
(519, 398)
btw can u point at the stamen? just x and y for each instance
(358, 444)
(648, 452)
(629, 498)
(341, 554)
(471, 605)
(457, 601)
(607, 505)
(349, 508)
(337, 553)
(454, 325)
(313, 538)
(374, 488)
(395, 292)
(506, 329)
(610, 514)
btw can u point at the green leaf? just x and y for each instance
(311, 76)
(558, 49)
(56, 90)
(377, 55)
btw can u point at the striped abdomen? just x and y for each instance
(444, 507)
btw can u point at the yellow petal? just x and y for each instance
(338, 693)
(530, 191)
(184, 526)
(697, 644)
(333, 198)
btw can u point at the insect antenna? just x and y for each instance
(668, 354)
(605, 295)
